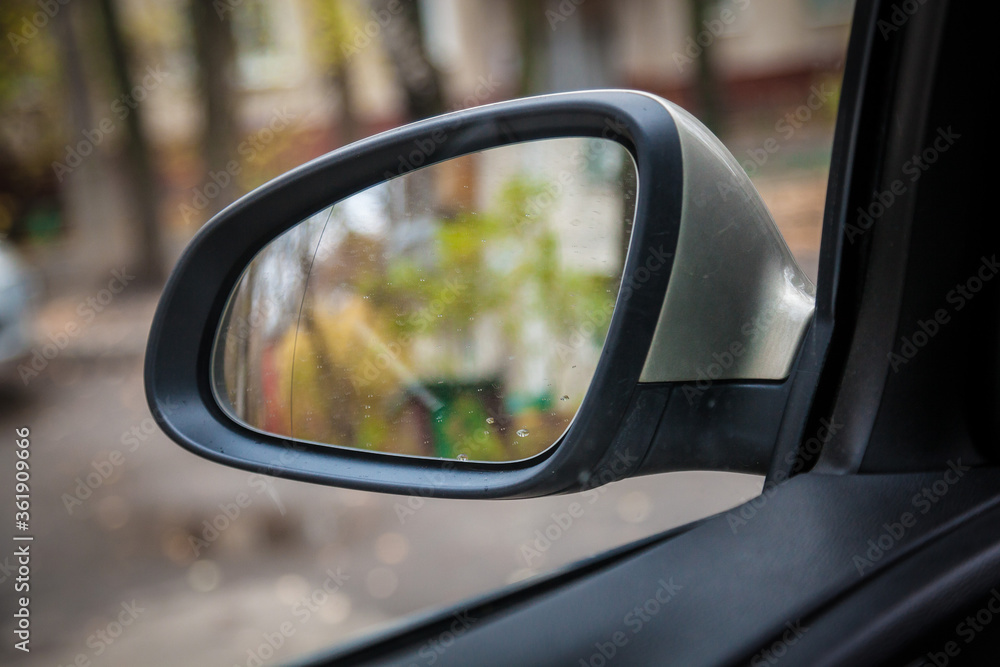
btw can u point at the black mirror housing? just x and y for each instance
(177, 360)
(618, 423)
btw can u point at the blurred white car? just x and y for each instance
(17, 287)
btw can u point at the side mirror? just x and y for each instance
(515, 300)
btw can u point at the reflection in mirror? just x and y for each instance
(456, 311)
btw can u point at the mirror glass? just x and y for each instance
(455, 311)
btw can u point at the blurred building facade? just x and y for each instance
(486, 51)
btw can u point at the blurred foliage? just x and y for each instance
(333, 23)
(31, 117)
(508, 250)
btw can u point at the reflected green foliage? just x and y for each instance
(493, 254)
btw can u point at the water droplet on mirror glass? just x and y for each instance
(489, 420)
(564, 398)
(522, 433)
(462, 457)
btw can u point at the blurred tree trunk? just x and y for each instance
(215, 50)
(75, 78)
(340, 76)
(334, 45)
(531, 20)
(89, 219)
(706, 83)
(404, 42)
(145, 193)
